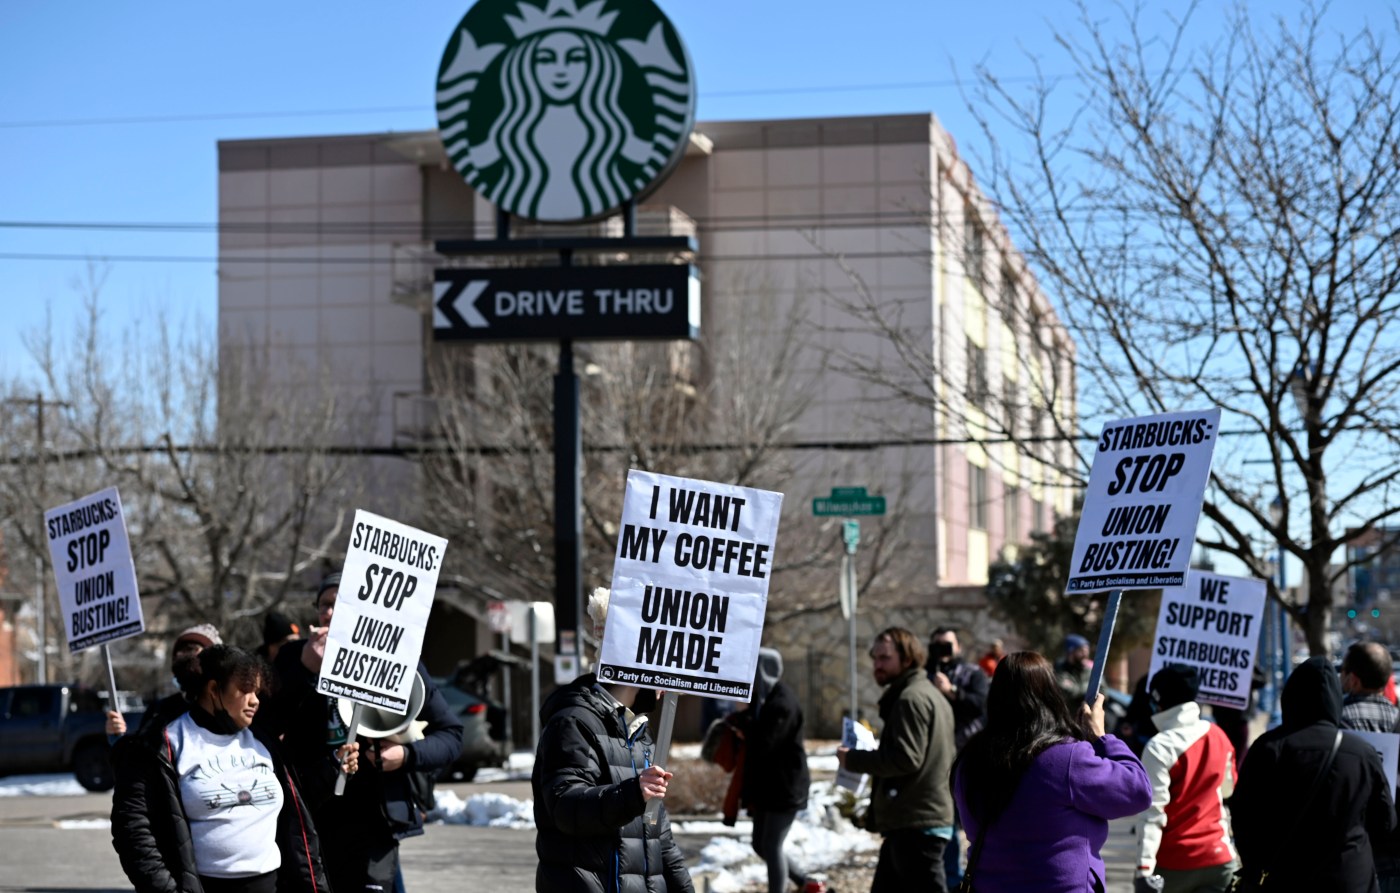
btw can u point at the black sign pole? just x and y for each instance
(568, 490)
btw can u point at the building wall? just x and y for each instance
(323, 239)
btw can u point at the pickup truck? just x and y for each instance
(55, 728)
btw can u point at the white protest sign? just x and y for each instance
(689, 586)
(386, 593)
(856, 737)
(1143, 501)
(93, 569)
(1212, 624)
(1387, 744)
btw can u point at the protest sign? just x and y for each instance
(689, 586)
(93, 570)
(1212, 624)
(386, 593)
(856, 737)
(1387, 744)
(1143, 501)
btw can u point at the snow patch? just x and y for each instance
(820, 838)
(56, 785)
(491, 810)
(82, 824)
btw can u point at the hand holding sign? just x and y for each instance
(654, 780)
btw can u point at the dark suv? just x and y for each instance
(55, 728)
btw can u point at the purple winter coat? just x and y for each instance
(1048, 839)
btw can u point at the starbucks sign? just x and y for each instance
(562, 110)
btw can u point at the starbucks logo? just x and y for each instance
(561, 110)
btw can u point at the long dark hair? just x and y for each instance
(1026, 713)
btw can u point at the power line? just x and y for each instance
(190, 117)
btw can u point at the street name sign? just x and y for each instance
(658, 301)
(848, 502)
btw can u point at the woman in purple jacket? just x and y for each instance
(1041, 785)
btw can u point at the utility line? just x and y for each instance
(944, 83)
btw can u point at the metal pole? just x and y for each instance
(663, 748)
(349, 739)
(43, 667)
(534, 680)
(848, 572)
(1283, 659)
(38, 561)
(1110, 618)
(111, 679)
(568, 492)
(505, 694)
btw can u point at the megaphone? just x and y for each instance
(376, 722)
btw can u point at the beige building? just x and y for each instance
(929, 344)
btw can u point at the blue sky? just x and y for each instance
(112, 112)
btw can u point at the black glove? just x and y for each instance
(1151, 884)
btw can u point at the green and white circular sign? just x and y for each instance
(562, 110)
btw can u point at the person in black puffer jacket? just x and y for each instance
(776, 779)
(592, 778)
(1326, 844)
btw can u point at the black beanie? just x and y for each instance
(329, 581)
(1174, 684)
(276, 628)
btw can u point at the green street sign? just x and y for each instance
(848, 501)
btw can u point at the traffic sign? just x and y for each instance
(848, 501)
(548, 303)
(498, 617)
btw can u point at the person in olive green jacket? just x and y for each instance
(911, 804)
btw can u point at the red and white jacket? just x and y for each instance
(1191, 764)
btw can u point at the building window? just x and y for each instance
(1037, 516)
(977, 393)
(1013, 514)
(1008, 297)
(973, 246)
(976, 497)
(1008, 406)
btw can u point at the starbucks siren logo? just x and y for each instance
(558, 110)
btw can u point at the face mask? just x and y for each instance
(223, 721)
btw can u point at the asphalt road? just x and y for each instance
(52, 844)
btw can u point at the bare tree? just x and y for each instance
(726, 408)
(231, 494)
(1218, 223)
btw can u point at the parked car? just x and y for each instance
(483, 720)
(56, 728)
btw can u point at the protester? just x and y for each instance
(1365, 708)
(988, 662)
(910, 803)
(1073, 670)
(361, 830)
(205, 802)
(1184, 836)
(1037, 787)
(1234, 722)
(1135, 729)
(278, 630)
(183, 650)
(1311, 830)
(775, 776)
(592, 779)
(965, 687)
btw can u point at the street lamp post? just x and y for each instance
(1282, 638)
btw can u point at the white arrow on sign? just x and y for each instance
(464, 304)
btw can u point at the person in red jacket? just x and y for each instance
(1184, 836)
